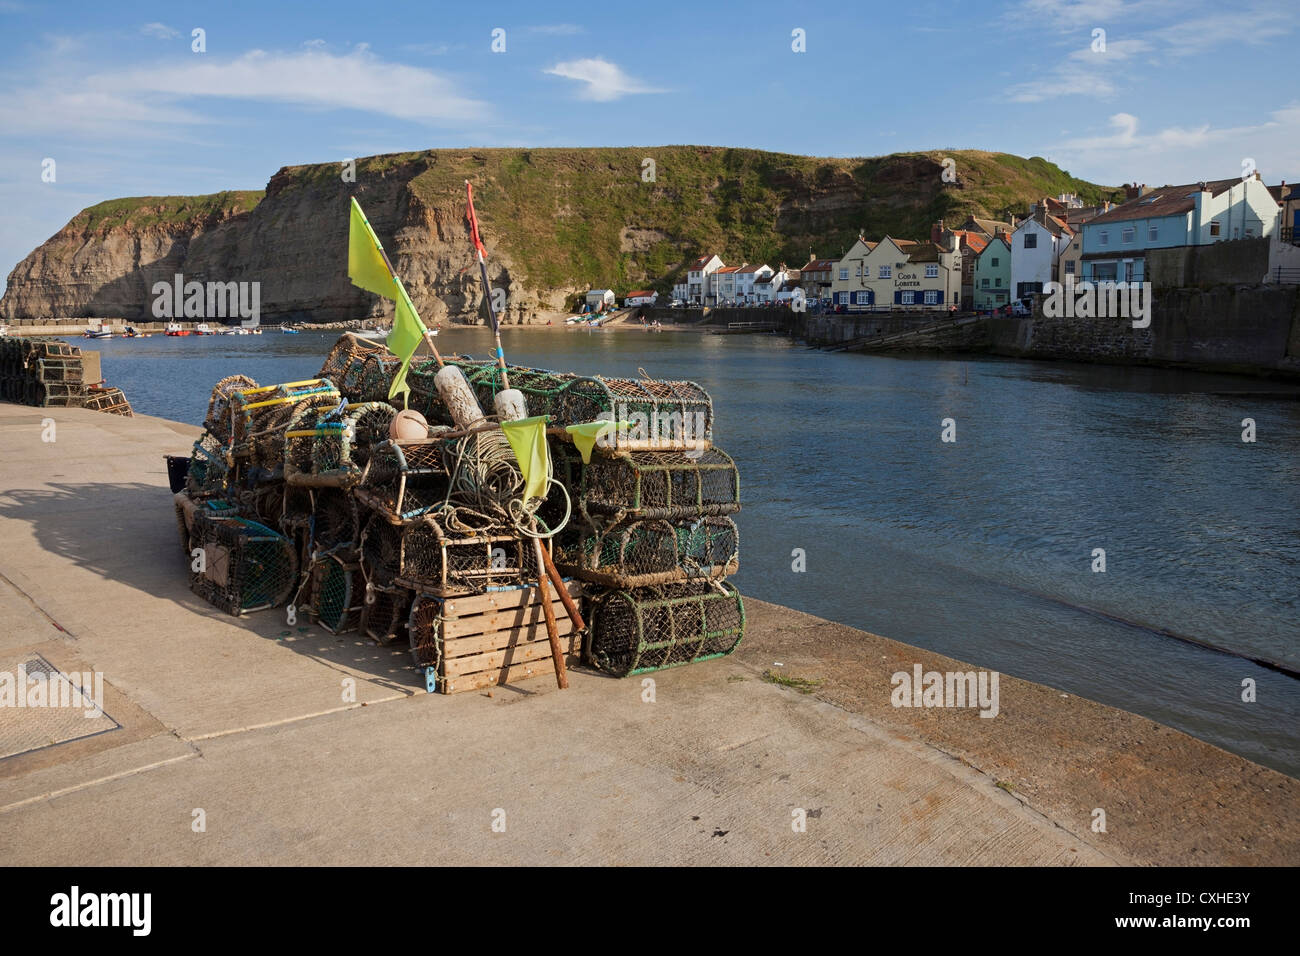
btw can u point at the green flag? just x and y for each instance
(527, 438)
(408, 332)
(366, 265)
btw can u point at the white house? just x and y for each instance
(679, 292)
(698, 278)
(724, 285)
(600, 299)
(1036, 245)
(746, 276)
(640, 297)
(767, 287)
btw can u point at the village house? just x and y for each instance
(993, 274)
(746, 276)
(849, 278)
(680, 292)
(1036, 245)
(898, 274)
(815, 278)
(698, 278)
(767, 286)
(724, 286)
(640, 297)
(1284, 248)
(970, 243)
(598, 299)
(1195, 214)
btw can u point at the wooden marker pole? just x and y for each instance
(569, 604)
(552, 630)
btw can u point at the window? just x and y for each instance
(984, 283)
(932, 272)
(909, 298)
(931, 297)
(858, 271)
(884, 272)
(995, 262)
(1216, 228)
(1105, 271)
(1127, 234)
(1153, 232)
(1103, 238)
(1069, 267)
(1249, 232)
(864, 298)
(1031, 240)
(844, 275)
(998, 282)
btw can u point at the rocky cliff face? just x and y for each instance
(556, 222)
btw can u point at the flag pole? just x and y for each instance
(487, 287)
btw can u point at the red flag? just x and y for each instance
(473, 220)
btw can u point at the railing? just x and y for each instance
(1283, 276)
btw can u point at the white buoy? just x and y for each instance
(456, 394)
(511, 405)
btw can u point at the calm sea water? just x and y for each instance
(981, 549)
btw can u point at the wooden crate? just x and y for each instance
(474, 641)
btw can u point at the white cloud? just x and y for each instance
(159, 31)
(604, 80)
(1084, 72)
(151, 99)
(1183, 154)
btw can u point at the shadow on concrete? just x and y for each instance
(128, 533)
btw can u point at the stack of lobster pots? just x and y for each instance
(50, 374)
(300, 496)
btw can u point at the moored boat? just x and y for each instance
(174, 328)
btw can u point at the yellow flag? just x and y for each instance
(366, 265)
(527, 438)
(408, 332)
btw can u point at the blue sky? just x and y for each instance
(116, 96)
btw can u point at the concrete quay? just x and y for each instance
(243, 725)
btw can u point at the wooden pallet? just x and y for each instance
(499, 638)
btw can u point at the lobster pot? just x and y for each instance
(326, 450)
(111, 400)
(660, 484)
(337, 590)
(208, 470)
(645, 551)
(384, 613)
(260, 501)
(246, 566)
(259, 417)
(375, 377)
(646, 629)
(187, 508)
(346, 360)
(437, 557)
(661, 414)
(64, 370)
(405, 479)
(217, 421)
(335, 522)
(539, 386)
(464, 643)
(54, 350)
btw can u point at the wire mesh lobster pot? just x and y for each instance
(375, 377)
(325, 449)
(217, 421)
(647, 629)
(208, 469)
(660, 484)
(64, 370)
(645, 551)
(245, 565)
(111, 400)
(384, 613)
(187, 508)
(405, 479)
(335, 521)
(446, 555)
(346, 360)
(337, 591)
(661, 414)
(259, 418)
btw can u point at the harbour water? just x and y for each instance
(982, 548)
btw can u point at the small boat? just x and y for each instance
(132, 332)
(97, 334)
(174, 328)
(288, 330)
(203, 329)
